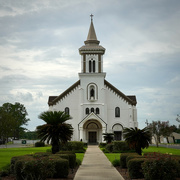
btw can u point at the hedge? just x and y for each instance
(132, 157)
(76, 146)
(36, 169)
(102, 145)
(39, 144)
(121, 146)
(123, 157)
(135, 169)
(61, 167)
(72, 158)
(109, 147)
(40, 166)
(161, 166)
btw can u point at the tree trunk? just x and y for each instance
(167, 140)
(173, 139)
(156, 140)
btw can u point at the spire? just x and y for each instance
(91, 38)
(91, 43)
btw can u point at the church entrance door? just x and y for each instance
(92, 137)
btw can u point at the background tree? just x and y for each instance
(56, 130)
(155, 127)
(16, 117)
(108, 137)
(160, 129)
(137, 139)
(31, 135)
(178, 118)
(176, 128)
(12, 118)
(7, 123)
(166, 130)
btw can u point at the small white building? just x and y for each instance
(94, 104)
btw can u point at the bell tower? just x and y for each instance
(91, 53)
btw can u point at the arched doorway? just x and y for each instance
(117, 130)
(93, 131)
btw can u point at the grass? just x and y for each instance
(162, 150)
(113, 156)
(80, 156)
(7, 153)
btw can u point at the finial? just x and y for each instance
(91, 17)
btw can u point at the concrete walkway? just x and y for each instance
(96, 166)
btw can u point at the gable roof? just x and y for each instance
(54, 99)
(130, 99)
(90, 116)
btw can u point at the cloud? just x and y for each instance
(39, 57)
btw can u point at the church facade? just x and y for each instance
(95, 105)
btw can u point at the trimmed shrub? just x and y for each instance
(123, 157)
(34, 169)
(18, 158)
(105, 150)
(116, 162)
(5, 171)
(39, 144)
(132, 157)
(135, 169)
(72, 158)
(102, 145)
(121, 146)
(61, 168)
(41, 168)
(85, 145)
(55, 156)
(41, 154)
(109, 147)
(76, 146)
(160, 166)
(78, 162)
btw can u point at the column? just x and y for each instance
(81, 133)
(103, 131)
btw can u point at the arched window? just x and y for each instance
(92, 109)
(93, 66)
(89, 66)
(87, 110)
(117, 112)
(97, 110)
(66, 110)
(92, 92)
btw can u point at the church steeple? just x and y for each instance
(91, 38)
(92, 53)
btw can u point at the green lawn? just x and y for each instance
(7, 153)
(113, 156)
(80, 156)
(162, 150)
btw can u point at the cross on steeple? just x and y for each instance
(91, 17)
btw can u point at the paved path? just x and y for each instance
(96, 166)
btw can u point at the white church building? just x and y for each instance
(95, 105)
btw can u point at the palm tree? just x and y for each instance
(56, 130)
(108, 137)
(137, 139)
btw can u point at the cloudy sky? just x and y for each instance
(39, 42)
